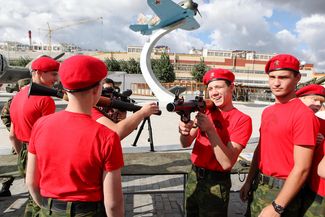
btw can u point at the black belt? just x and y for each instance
(202, 173)
(76, 206)
(271, 181)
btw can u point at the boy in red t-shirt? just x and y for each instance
(74, 162)
(283, 157)
(220, 135)
(313, 96)
(26, 110)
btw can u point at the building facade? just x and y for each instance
(248, 66)
(38, 47)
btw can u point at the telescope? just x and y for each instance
(112, 93)
(40, 90)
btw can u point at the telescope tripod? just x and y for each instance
(150, 139)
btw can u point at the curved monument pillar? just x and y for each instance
(163, 95)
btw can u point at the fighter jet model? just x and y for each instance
(169, 13)
(10, 74)
(189, 4)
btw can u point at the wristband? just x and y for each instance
(278, 208)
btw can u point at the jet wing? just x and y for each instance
(190, 24)
(165, 9)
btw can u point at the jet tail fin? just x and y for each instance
(139, 27)
(143, 28)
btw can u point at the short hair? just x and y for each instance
(228, 83)
(109, 81)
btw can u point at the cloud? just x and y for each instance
(232, 25)
(188, 41)
(225, 24)
(286, 42)
(299, 6)
(311, 31)
(64, 18)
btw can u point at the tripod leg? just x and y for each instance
(139, 132)
(150, 134)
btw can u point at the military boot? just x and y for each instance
(5, 192)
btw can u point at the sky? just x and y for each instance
(268, 26)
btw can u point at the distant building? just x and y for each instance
(158, 49)
(38, 47)
(13, 46)
(248, 66)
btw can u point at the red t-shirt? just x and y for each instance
(232, 126)
(282, 127)
(72, 152)
(96, 114)
(322, 126)
(316, 183)
(24, 112)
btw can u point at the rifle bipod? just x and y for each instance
(150, 139)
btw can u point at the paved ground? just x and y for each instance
(165, 138)
(164, 204)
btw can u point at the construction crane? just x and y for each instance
(79, 22)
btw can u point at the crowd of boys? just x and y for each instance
(75, 155)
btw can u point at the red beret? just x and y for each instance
(282, 62)
(218, 74)
(312, 89)
(81, 72)
(45, 64)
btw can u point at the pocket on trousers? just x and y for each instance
(22, 160)
(221, 191)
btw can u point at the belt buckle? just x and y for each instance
(261, 179)
(200, 172)
(268, 180)
(59, 206)
(264, 179)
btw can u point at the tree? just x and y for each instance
(123, 66)
(133, 67)
(112, 64)
(199, 70)
(163, 69)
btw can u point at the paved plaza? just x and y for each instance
(165, 140)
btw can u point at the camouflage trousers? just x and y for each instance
(313, 205)
(22, 160)
(208, 195)
(48, 209)
(31, 209)
(263, 196)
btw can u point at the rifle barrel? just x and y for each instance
(40, 90)
(190, 106)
